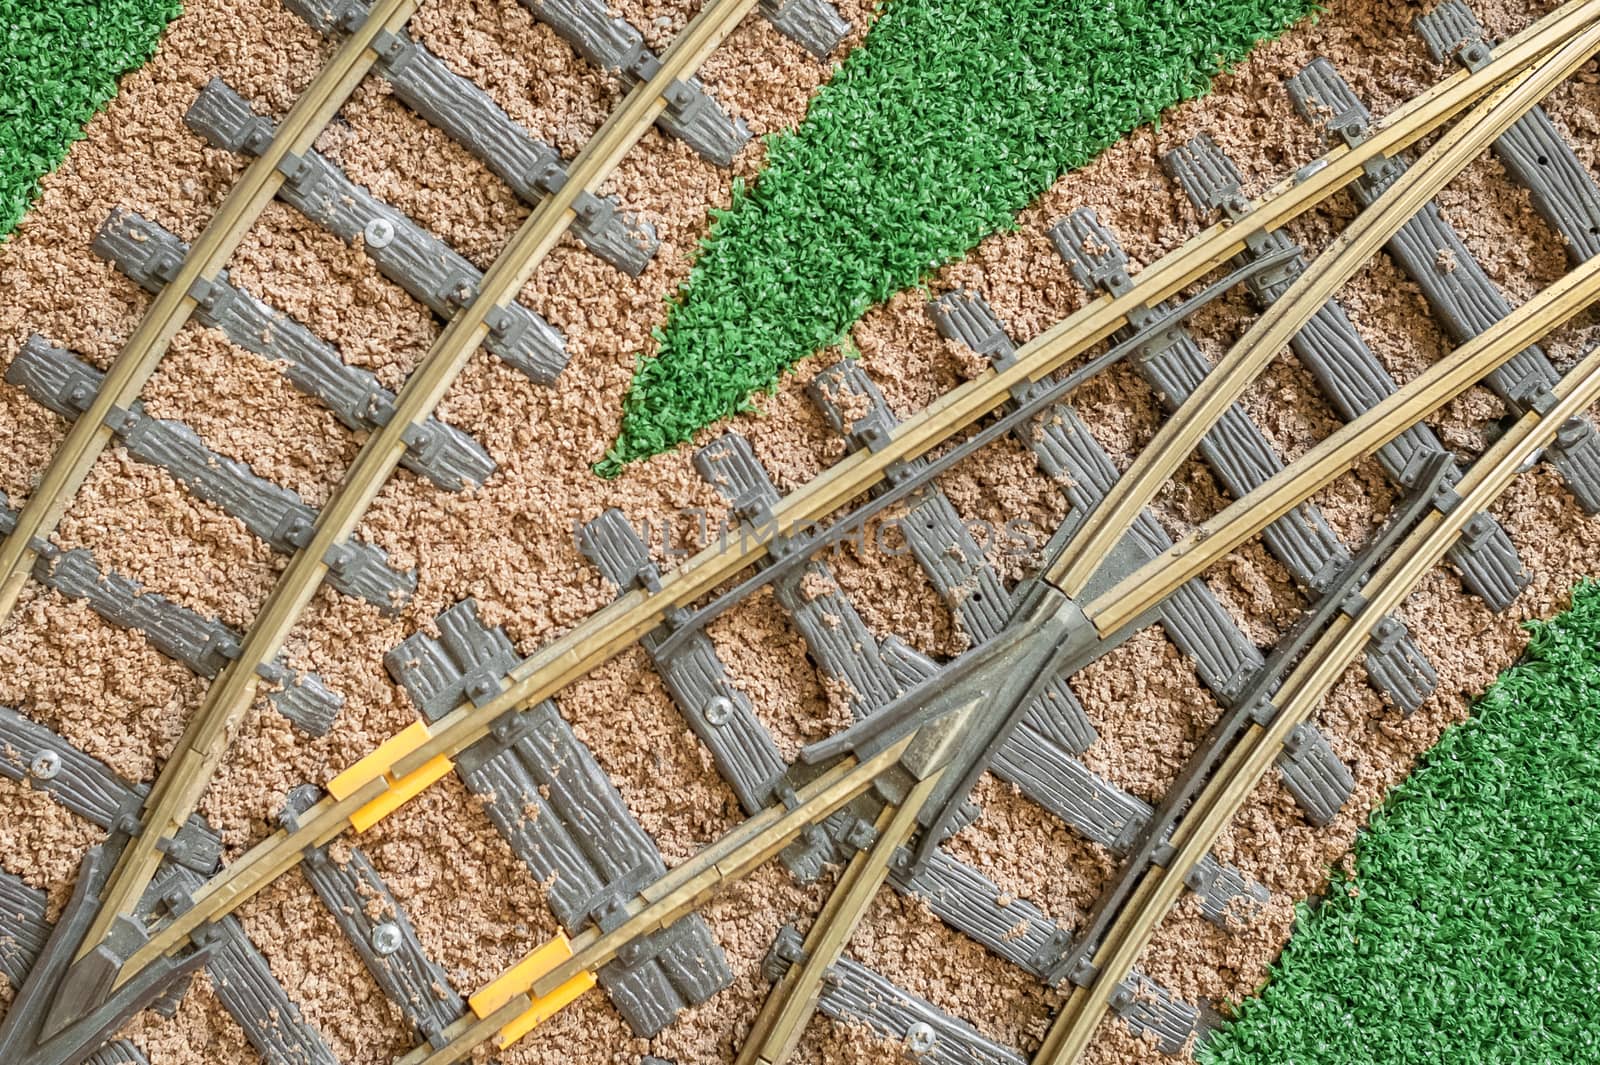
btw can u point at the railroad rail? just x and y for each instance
(204, 743)
(172, 307)
(921, 741)
(1322, 665)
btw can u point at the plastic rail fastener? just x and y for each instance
(1172, 363)
(940, 541)
(615, 45)
(61, 381)
(1114, 818)
(519, 980)
(1348, 373)
(716, 710)
(564, 818)
(469, 116)
(1463, 298)
(379, 765)
(466, 661)
(1533, 151)
(364, 908)
(149, 255)
(427, 268)
(1069, 455)
(89, 788)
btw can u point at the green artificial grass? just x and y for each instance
(1471, 932)
(951, 117)
(59, 63)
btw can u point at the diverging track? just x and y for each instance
(922, 751)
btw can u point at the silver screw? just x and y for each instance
(920, 1038)
(719, 710)
(379, 233)
(386, 938)
(46, 765)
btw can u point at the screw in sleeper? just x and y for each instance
(379, 233)
(719, 710)
(386, 938)
(45, 766)
(920, 1039)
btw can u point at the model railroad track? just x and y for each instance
(479, 308)
(882, 795)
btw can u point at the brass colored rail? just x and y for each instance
(610, 630)
(205, 740)
(1302, 692)
(788, 1007)
(1181, 434)
(171, 307)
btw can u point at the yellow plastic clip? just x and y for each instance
(519, 979)
(378, 765)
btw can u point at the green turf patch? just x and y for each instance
(59, 63)
(950, 118)
(1472, 929)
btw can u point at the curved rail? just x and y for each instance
(684, 888)
(1117, 610)
(788, 1007)
(613, 628)
(205, 740)
(171, 307)
(1180, 435)
(1322, 666)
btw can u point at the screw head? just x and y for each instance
(379, 233)
(386, 939)
(920, 1038)
(46, 766)
(719, 710)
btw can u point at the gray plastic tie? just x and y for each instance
(450, 458)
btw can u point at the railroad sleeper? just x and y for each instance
(1348, 372)
(149, 255)
(470, 117)
(204, 645)
(432, 272)
(364, 908)
(61, 381)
